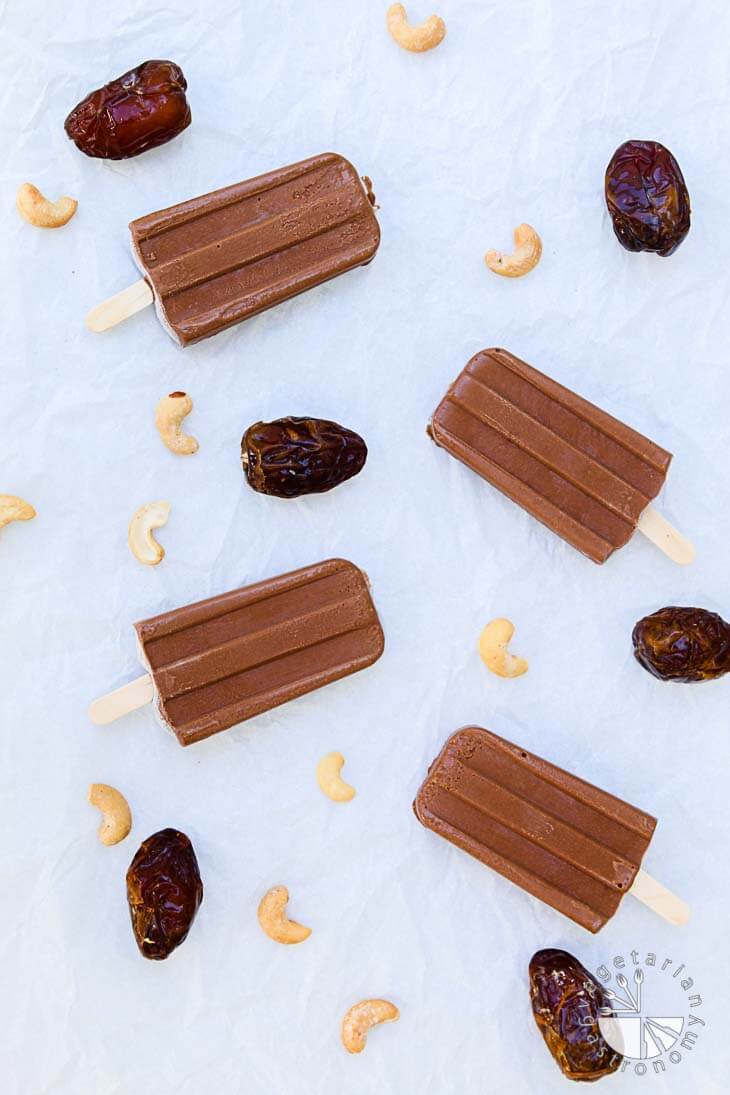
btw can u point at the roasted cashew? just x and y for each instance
(171, 410)
(522, 260)
(274, 921)
(117, 817)
(13, 508)
(330, 781)
(419, 38)
(141, 541)
(40, 211)
(493, 643)
(361, 1017)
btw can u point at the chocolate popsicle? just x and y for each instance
(218, 259)
(563, 840)
(220, 661)
(584, 474)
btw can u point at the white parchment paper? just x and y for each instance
(513, 118)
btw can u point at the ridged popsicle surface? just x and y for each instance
(220, 258)
(223, 660)
(578, 470)
(563, 840)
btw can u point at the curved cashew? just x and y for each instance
(522, 260)
(40, 211)
(116, 815)
(330, 781)
(361, 1017)
(419, 38)
(171, 410)
(493, 643)
(274, 921)
(141, 541)
(13, 508)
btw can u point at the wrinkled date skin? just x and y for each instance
(142, 109)
(683, 644)
(294, 456)
(566, 1001)
(647, 198)
(164, 892)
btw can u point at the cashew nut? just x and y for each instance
(361, 1017)
(493, 643)
(116, 815)
(171, 410)
(13, 508)
(419, 38)
(141, 541)
(330, 781)
(40, 211)
(522, 260)
(274, 921)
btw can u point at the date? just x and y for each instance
(293, 456)
(683, 644)
(566, 1002)
(142, 109)
(647, 198)
(164, 891)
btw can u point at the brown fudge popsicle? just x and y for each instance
(563, 840)
(579, 471)
(220, 258)
(223, 660)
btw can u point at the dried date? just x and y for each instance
(566, 1002)
(683, 644)
(293, 456)
(647, 198)
(142, 109)
(164, 891)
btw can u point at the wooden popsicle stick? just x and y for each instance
(123, 700)
(657, 529)
(120, 307)
(659, 899)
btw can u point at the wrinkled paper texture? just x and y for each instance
(513, 118)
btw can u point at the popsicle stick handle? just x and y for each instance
(123, 700)
(657, 529)
(659, 899)
(120, 307)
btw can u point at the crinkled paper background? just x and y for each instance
(512, 118)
